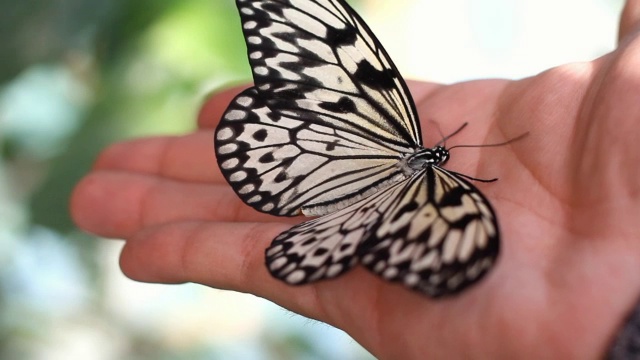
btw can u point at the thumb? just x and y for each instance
(629, 20)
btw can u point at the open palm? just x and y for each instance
(567, 200)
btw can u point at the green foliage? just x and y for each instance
(142, 67)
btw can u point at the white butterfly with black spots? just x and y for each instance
(330, 129)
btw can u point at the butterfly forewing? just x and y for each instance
(318, 60)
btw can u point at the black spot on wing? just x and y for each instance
(453, 197)
(320, 252)
(344, 106)
(274, 116)
(267, 158)
(260, 135)
(332, 145)
(309, 241)
(406, 208)
(341, 37)
(372, 77)
(281, 177)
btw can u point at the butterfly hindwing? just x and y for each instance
(440, 236)
(436, 241)
(328, 246)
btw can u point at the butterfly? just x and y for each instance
(329, 129)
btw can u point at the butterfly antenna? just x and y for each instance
(475, 179)
(445, 138)
(519, 137)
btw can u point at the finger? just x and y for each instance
(630, 19)
(117, 205)
(213, 108)
(231, 256)
(221, 255)
(187, 158)
(421, 90)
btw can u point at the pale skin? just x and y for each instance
(567, 200)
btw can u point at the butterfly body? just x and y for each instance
(424, 157)
(330, 130)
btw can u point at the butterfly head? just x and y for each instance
(440, 155)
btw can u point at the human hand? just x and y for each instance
(567, 200)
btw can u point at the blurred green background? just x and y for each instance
(77, 75)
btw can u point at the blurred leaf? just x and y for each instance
(154, 59)
(33, 31)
